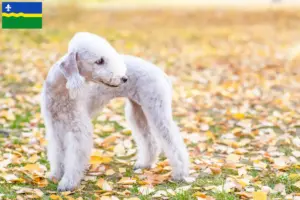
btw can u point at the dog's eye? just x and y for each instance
(100, 61)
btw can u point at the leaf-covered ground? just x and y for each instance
(236, 100)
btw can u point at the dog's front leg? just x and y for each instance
(55, 153)
(78, 145)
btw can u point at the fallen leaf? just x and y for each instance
(104, 185)
(259, 195)
(297, 184)
(55, 197)
(126, 180)
(109, 172)
(145, 190)
(97, 158)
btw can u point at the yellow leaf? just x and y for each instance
(8, 115)
(259, 195)
(242, 182)
(55, 197)
(294, 176)
(210, 135)
(126, 132)
(66, 193)
(33, 158)
(41, 182)
(126, 181)
(297, 184)
(32, 167)
(98, 158)
(238, 116)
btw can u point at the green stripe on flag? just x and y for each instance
(22, 22)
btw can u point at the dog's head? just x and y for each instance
(92, 58)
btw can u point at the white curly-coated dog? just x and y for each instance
(81, 83)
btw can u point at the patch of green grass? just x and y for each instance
(51, 186)
(229, 171)
(275, 196)
(7, 191)
(16, 141)
(134, 189)
(117, 126)
(185, 195)
(45, 162)
(293, 170)
(272, 180)
(17, 123)
(225, 196)
(207, 180)
(145, 197)
(129, 172)
(215, 129)
(41, 125)
(286, 150)
(169, 185)
(217, 180)
(254, 172)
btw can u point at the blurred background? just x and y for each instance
(235, 70)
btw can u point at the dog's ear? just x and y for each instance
(69, 68)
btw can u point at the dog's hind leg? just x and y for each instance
(147, 146)
(78, 144)
(159, 116)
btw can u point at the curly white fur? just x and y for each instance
(76, 89)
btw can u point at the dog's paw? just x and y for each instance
(55, 176)
(179, 175)
(177, 178)
(66, 185)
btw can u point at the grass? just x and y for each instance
(271, 180)
(203, 181)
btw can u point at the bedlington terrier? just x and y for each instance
(81, 83)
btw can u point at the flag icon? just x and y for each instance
(22, 15)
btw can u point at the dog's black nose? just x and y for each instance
(124, 79)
